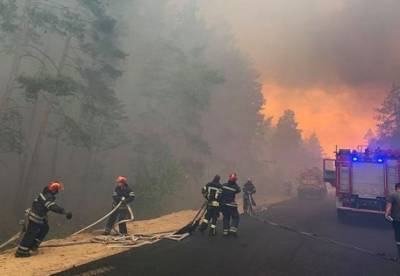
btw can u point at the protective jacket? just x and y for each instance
(249, 188)
(212, 192)
(229, 191)
(120, 192)
(44, 203)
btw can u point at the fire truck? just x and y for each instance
(362, 179)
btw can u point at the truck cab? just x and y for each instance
(363, 179)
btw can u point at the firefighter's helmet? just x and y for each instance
(122, 180)
(55, 186)
(233, 177)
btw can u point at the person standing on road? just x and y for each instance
(392, 214)
(248, 190)
(38, 226)
(212, 192)
(229, 206)
(122, 194)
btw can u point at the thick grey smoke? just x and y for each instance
(317, 43)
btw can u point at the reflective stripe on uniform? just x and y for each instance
(23, 248)
(213, 226)
(36, 218)
(232, 204)
(132, 194)
(36, 215)
(42, 196)
(205, 220)
(49, 203)
(214, 203)
(233, 229)
(38, 221)
(229, 188)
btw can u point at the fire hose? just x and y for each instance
(99, 220)
(128, 241)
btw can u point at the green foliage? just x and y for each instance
(8, 16)
(11, 137)
(62, 21)
(156, 173)
(388, 117)
(60, 86)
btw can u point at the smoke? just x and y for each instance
(317, 43)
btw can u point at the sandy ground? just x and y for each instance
(49, 260)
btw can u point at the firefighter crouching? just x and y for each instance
(392, 213)
(248, 190)
(212, 192)
(125, 195)
(38, 226)
(229, 206)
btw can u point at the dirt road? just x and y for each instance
(262, 249)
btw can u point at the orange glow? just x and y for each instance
(339, 118)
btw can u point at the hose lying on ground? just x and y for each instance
(12, 239)
(324, 239)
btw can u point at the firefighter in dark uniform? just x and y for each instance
(392, 213)
(229, 206)
(248, 190)
(124, 194)
(38, 226)
(212, 192)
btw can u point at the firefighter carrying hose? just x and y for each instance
(248, 201)
(125, 195)
(212, 192)
(392, 214)
(229, 206)
(38, 226)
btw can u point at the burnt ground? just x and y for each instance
(262, 249)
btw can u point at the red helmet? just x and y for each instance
(233, 177)
(122, 179)
(55, 186)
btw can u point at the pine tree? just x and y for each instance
(388, 118)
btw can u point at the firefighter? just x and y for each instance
(392, 213)
(38, 226)
(229, 206)
(125, 195)
(212, 192)
(248, 190)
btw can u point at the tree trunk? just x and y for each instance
(33, 151)
(54, 159)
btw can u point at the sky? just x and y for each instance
(331, 61)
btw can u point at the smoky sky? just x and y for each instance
(316, 43)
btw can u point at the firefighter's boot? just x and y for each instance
(203, 226)
(212, 231)
(22, 252)
(233, 231)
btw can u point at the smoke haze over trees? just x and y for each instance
(95, 89)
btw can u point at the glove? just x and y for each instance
(68, 215)
(389, 218)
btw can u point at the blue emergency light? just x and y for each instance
(355, 158)
(380, 160)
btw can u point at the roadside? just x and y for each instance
(50, 260)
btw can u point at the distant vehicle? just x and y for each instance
(362, 179)
(311, 184)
